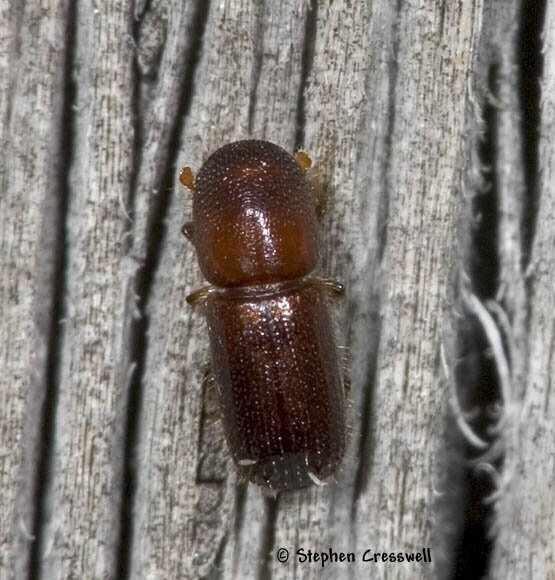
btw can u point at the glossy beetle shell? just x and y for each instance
(254, 216)
(273, 353)
(280, 389)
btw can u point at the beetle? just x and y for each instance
(274, 358)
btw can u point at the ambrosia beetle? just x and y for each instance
(274, 357)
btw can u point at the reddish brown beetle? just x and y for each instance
(274, 359)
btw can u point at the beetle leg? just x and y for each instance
(211, 405)
(334, 288)
(317, 185)
(200, 295)
(320, 192)
(345, 364)
(187, 179)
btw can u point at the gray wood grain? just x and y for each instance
(32, 58)
(433, 61)
(80, 539)
(526, 508)
(111, 462)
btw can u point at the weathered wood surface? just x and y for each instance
(413, 113)
(32, 63)
(526, 507)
